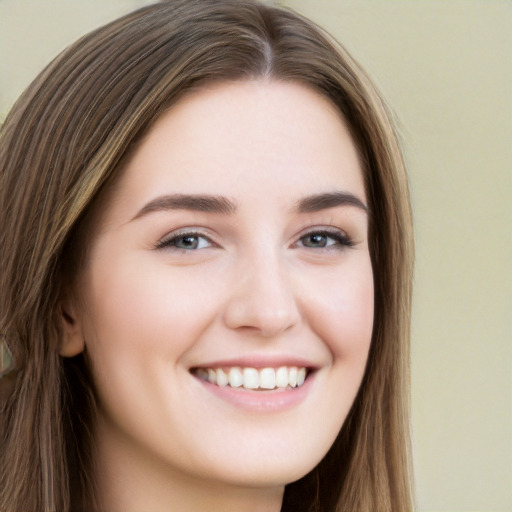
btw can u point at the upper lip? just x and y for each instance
(259, 361)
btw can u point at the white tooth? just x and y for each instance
(235, 377)
(301, 376)
(222, 378)
(267, 378)
(282, 377)
(292, 377)
(251, 378)
(212, 376)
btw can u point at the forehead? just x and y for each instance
(268, 138)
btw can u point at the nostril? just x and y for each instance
(264, 320)
(262, 301)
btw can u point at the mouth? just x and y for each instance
(254, 379)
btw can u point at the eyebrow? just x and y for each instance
(219, 204)
(193, 202)
(320, 202)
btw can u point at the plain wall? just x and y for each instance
(446, 68)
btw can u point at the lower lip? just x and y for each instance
(276, 400)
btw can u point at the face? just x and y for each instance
(228, 297)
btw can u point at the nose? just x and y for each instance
(262, 301)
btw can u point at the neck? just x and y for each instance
(130, 481)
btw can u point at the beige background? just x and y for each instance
(446, 68)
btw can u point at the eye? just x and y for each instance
(324, 239)
(185, 241)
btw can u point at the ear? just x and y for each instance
(73, 342)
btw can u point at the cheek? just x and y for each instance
(342, 311)
(136, 305)
(141, 319)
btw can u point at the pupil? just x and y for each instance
(189, 242)
(317, 239)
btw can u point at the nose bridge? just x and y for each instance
(262, 299)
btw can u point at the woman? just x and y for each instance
(206, 263)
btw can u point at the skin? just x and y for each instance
(253, 284)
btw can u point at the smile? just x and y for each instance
(264, 379)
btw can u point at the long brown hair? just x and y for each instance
(64, 141)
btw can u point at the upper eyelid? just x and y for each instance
(323, 229)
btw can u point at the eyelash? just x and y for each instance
(341, 240)
(169, 242)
